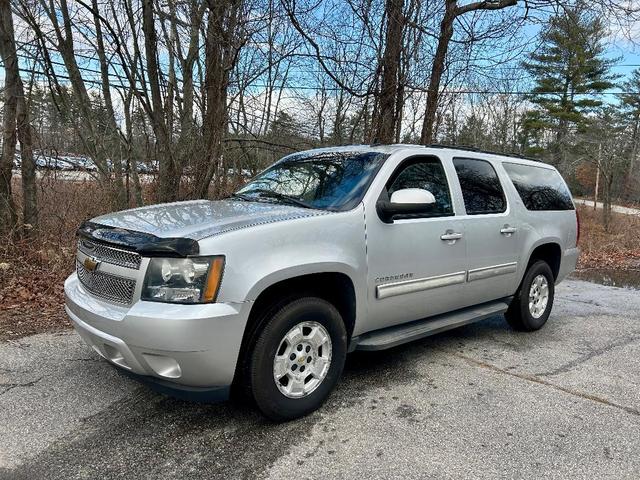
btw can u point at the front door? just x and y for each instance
(416, 265)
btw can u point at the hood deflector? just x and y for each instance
(146, 244)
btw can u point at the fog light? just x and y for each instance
(115, 356)
(163, 366)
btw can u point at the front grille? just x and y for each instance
(115, 256)
(107, 286)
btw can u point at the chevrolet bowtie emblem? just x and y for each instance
(91, 264)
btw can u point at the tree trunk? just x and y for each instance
(628, 187)
(386, 116)
(168, 182)
(188, 140)
(7, 208)
(114, 139)
(131, 156)
(215, 119)
(221, 49)
(451, 12)
(20, 120)
(437, 70)
(28, 165)
(606, 202)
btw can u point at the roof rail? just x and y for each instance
(459, 147)
(479, 150)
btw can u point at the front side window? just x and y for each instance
(334, 181)
(481, 189)
(539, 188)
(427, 174)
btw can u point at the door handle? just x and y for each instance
(507, 230)
(451, 237)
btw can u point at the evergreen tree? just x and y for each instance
(531, 129)
(473, 133)
(568, 67)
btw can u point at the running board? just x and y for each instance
(408, 332)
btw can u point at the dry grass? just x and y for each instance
(33, 270)
(618, 248)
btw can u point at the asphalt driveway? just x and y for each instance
(478, 402)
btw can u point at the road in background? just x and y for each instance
(614, 208)
(482, 401)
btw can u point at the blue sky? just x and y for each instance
(627, 54)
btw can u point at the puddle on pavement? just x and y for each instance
(611, 277)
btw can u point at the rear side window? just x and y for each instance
(539, 188)
(481, 189)
(428, 174)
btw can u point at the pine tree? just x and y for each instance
(473, 133)
(567, 69)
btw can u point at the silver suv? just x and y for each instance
(325, 252)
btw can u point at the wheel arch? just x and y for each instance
(548, 250)
(334, 285)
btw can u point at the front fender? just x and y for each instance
(299, 270)
(261, 256)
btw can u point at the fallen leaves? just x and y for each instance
(618, 248)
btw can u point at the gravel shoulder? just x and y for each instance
(478, 402)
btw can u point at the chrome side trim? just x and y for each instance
(492, 271)
(419, 284)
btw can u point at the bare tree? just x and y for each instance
(12, 78)
(452, 11)
(16, 124)
(27, 164)
(389, 100)
(97, 140)
(224, 39)
(168, 188)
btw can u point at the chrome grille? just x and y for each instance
(115, 256)
(107, 286)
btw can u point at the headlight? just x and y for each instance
(183, 280)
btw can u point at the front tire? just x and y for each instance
(532, 303)
(297, 358)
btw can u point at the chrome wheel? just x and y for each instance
(538, 296)
(302, 360)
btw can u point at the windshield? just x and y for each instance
(326, 180)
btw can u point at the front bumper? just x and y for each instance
(188, 347)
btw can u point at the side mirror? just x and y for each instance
(407, 201)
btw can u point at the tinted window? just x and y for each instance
(481, 187)
(327, 180)
(427, 174)
(539, 188)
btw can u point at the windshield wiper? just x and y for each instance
(241, 196)
(281, 196)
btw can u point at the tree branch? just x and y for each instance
(485, 5)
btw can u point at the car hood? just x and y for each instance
(199, 219)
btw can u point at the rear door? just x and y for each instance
(491, 231)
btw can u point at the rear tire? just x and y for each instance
(532, 303)
(297, 359)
